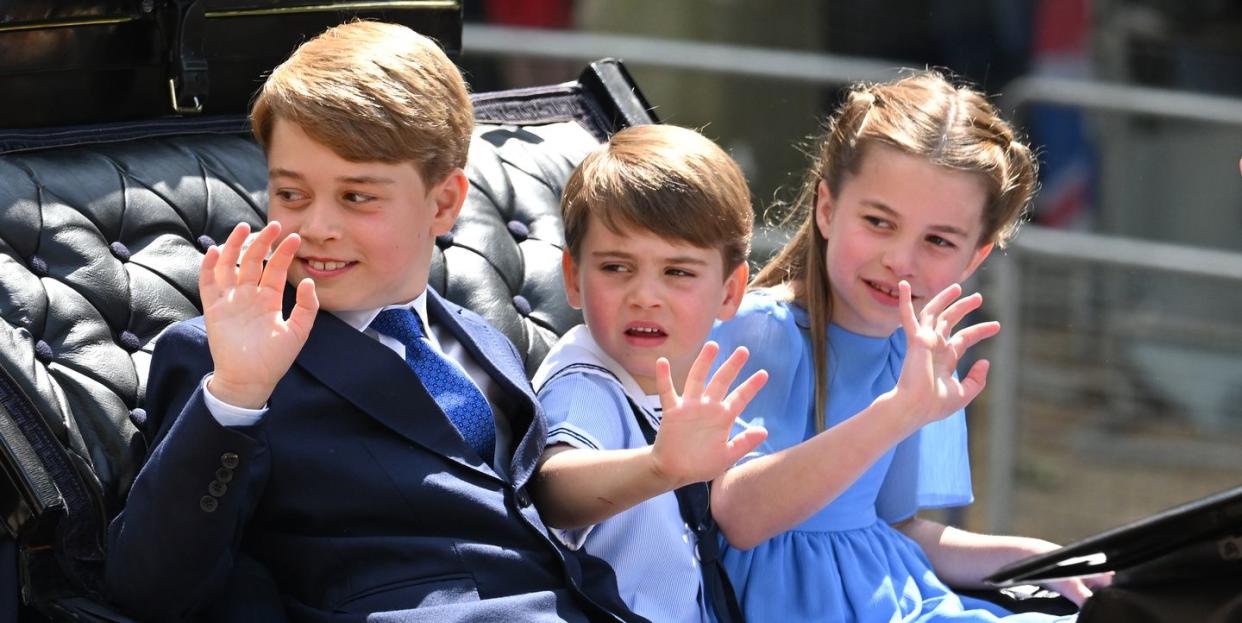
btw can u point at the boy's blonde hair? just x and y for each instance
(372, 92)
(924, 115)
(670, 181)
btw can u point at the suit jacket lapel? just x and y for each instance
(494, 353)
(400, 401)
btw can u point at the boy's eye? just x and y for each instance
(288, 195)
(678, 272)
(940, 242)
(614, 268)
(353, 197)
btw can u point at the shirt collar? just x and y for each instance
(578, 346)
(361, 319)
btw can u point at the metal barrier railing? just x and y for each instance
(1004, 286)
(811, 67)
(831, 69)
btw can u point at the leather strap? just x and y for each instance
(187, 60)
(694, 501)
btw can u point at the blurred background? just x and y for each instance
(1116, 386)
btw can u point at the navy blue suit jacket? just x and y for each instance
(354, 491)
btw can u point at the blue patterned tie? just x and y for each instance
(460, 399)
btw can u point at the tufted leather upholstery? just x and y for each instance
(99, 252)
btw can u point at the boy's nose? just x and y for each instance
(643, 293)
(317, 224)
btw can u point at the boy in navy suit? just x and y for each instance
(362, 439)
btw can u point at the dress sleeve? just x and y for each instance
(768, 329)
(930, 469)
(587, 411)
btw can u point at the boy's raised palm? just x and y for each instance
(252, 344)
(933, 351)
(693, 442)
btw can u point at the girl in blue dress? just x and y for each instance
(855, 321)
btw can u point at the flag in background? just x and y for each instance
(1062, 48)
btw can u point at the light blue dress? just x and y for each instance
(845, 563)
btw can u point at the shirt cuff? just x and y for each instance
(227, 414)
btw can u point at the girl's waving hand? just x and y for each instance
(928, 381)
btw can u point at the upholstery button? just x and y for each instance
(523, 498)
(129, 341)
(208, 504)
(120, 251)
(37, 265)
(444, 240)
(522, 305)
(519, 230)
(217, 489)
(138, 417)
(43, 352)
(230, 460)
(205, 242)
(224, 474)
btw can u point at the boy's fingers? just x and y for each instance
(942, 299)
(956, 312)
(251, 267)
(727, 373)
(207, 290)
(226, 267)
(740, 397)
(277, 269)
(697, 377)
(664, 385)
(744, 442)
(302, 318)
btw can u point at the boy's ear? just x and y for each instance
(569, 272)
(735, 288)
(823, 208)
(449, 196)
(980, 254)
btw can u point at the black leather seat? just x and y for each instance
(100, 243)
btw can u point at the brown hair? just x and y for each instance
(372, 92)
(922, 114)
(670, 181)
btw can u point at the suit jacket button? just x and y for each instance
(224, 474)
(523, 498)
(208, 504)
(230, 460)
(217, 489)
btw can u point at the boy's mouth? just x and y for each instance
(645, 334)
(316, 267)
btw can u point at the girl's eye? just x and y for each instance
(614, 268)
(877, 222)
